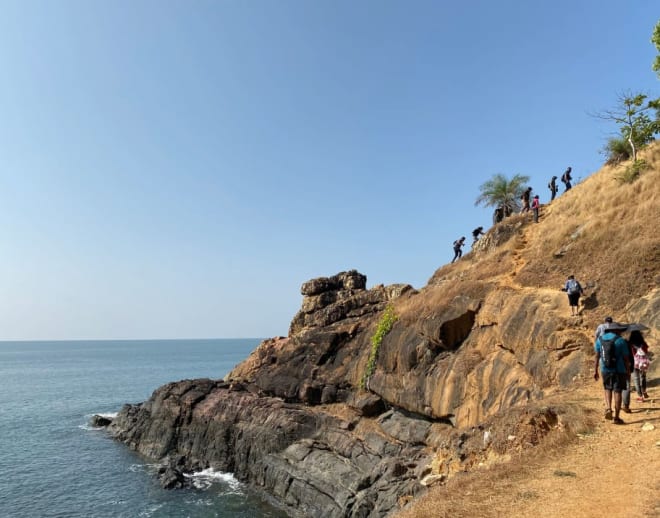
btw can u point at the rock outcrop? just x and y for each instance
(292, 420)
(462, 378)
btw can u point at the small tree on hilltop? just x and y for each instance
(632, 114)
(502, 192)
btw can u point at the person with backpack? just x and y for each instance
(553, 188)
(602, 327)
(566, 178)
(641, 362)
(612, 357)
(458, 245)
(573, 289)
(479, 231)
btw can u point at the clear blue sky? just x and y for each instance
(174, 169)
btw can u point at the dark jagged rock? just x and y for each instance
(172, 478)
(309, 460)
(100, 421)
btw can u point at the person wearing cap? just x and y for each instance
(553, 188)
(535, 208)
(614, 379)
(601, 327)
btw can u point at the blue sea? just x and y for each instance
(53, 464)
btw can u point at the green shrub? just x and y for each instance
(632, 171)
(384, 327)
(616, 150)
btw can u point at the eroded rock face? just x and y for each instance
(313, 463)
(292, 419)
(342, 297)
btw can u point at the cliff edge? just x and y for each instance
(332, 424)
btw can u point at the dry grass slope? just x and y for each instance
(606, 233)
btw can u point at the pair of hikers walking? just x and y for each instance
(566, 180)
(618, 359)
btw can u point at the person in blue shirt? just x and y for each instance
(614, 379)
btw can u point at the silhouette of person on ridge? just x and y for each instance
(566, 178)
(553, 188)
(458, 244)
(525, 199)
(479, 231)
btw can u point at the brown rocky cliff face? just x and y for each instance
(468, 351)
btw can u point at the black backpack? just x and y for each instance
(607, 352)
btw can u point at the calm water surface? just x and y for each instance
(53, 464)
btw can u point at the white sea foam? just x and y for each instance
(88, 427)
(151, 510)
(203, 479)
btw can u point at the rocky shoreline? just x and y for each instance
(292, 420)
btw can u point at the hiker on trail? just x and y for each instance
(458, 244)
(566, 178)
(498, 215)
(602, 327)
(535, 208)
(613, 359)
(625, 393)
(553, 188)
(526, 195)
(573, 290)
(641, 362)
(479, 231)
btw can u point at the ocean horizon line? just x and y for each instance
(65, 340)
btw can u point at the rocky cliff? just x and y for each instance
(466, 373)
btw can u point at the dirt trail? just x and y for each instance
(612, 472)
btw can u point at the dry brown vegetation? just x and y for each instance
(605, 233)
(586, 469)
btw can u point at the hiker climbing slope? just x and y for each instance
(458, 245)
(553, 188)
(613, 358)
(479, 231)
(566, 179)
(573, 289)
(526, 195)
(536, 204)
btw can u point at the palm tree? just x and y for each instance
(502, 192)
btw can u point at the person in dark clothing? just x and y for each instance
(553, 188)
(458, 245)
(479, 231)
(498, 215)
(566, 178)
(525, 199)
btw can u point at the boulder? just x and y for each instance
(100, 421)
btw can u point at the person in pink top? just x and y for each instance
(535, 208)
